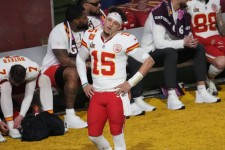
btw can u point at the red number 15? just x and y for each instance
(105, 60)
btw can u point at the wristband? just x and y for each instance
(135, 79)
(83, 85)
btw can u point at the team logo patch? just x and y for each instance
(3, 72)
(196, 9)
(91, 36)
(92, 45)
(180, 14)
(117, 48)
(214, 7)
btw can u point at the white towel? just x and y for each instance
(72, 48)
(126, 104)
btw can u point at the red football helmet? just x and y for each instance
(131, 20)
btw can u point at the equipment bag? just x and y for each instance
(41, 126)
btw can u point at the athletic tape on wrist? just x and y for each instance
(135, 79)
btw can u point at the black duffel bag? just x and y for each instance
(41, 126)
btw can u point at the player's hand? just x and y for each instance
(194, 43)
(190, 42)
(3, 127)
(17, 121)
(123, 88)
(88, 90)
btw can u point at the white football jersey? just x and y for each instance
(204, 17)
(108, 58)
(58, 39)
(7, 62)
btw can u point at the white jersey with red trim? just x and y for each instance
(108, 58)
(7, 62)
(204, 17)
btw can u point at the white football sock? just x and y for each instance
(201, 88)
(119, 142)
(10, 124)
(100, 142)
(6, 100)
(213, 71)
(70, 111)
(172, 92)
(46, 96)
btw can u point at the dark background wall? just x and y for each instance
(222, 3)
(23, 23)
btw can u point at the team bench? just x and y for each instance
(37, 54)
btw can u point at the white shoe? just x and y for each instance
(14, 133)
(2, 139)
(205, 97)
(135, 109)
(120, 148)
(174, 103)
(211, 87)
(144, 106)
(73, 121)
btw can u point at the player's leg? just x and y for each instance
(2, 139)
(216, 58)
(7, 109)
(202, 95)
(168, 58)
(219, 42)
(116, 120)
(46, 96)
(71, 83)
(97, 117)
(67, 79)
(51, 72)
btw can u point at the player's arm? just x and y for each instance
(6, 99)
(147, 63)
(82, 56)
(28, 96)
(64, 58)
(140, 55)
(3, 127)
(220, 23)
(159, 34)
(31, 77)
(147, 41)
(59, 47)
(81, 65)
